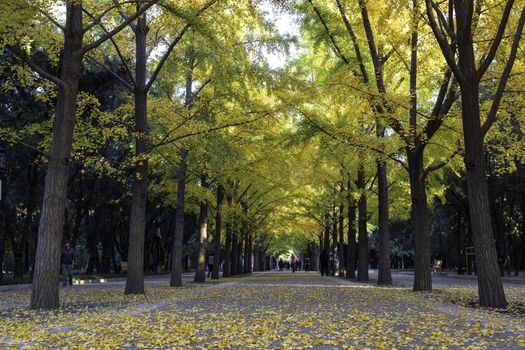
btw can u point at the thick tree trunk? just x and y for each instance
(217, 236)
(460, 245)
(241, 244)
(333, 249)
(248, 254)
(235, 250)
(384, 276)
(340, 246)
(2, 238)
(200, 274)
(44, 293)
(314, 266)
(521, 244)
(490, 287)
(419, 212)
(137, 222)
(176, 254)
(226, 270)
(326, 243)
(351, 247)
(362, 245)
(23, 266)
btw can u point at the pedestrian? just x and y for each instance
(294, 263)
(210, 263)
(281, 264)
(67, 260)
(306, 264)
(323, 259)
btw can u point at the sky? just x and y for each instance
(286, 24)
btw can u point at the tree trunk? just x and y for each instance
(249, 254)
(176, 254)
(240, 255)
(2, 238)
(234, 253)
(217, 236)
(44, 293)
(326, 243)
(362, 245)
(333, 249)
(200, 274)
(28, 222)
(419, 212)
(384, 276)
(315, 258)
(137, 222)
(351, 247)
(490, 287)
(340, 246)
(226, 270)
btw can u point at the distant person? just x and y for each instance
(323, 259)
(306, 264)
(186, 263)
(210, 263)
(281, 264)
(67, 259)
(294, 264)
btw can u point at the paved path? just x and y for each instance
(265, 310)
(399, 278)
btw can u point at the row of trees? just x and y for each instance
(135, 85)
(385, 91)
(168, 114)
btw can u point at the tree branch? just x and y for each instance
(497, 39)
(165, 57)
(219, 127)
(336, 47)
(441, 164)
(118, 28)
(109, 70)
(43, 73)
(491, 117)
(446, 49)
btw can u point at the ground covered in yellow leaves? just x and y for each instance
(265, 311)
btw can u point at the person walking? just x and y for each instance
(306, 264)
(323, 259)
(67, 259)
(294, 263)
(281, 264)
(211, 257)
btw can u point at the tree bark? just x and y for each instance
(490, 287)
(234, 253)
(384, 276)
(340, 246)
(2, 238)
(351, 247)
(362, 245)
(217, 236)
(176, 254)
(178, 237)
(226, 272)
(419, 212)
(326, 243)
(137, 222)
(333, 248)
(200, 274)
(44, 293)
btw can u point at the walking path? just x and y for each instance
(265, 310)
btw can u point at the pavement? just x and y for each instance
(280, 310)
(400, 278)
